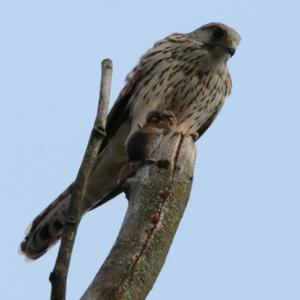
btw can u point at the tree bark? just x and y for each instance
(157, 196)
(58, 276)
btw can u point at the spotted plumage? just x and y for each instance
(183, 73)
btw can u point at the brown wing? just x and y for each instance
(120, 110)
(209, 121)
(227, 91)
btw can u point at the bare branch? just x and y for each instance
(58, 276)
(102, 111)
(157, 195)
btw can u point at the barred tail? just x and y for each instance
(110, 171)
(46, 228)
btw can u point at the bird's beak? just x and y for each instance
(230, 50)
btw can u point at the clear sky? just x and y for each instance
(239, 237)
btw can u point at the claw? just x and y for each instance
(170, 116)
(194, 135)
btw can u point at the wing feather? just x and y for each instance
(122, 107)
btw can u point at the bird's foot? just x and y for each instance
(194, 135)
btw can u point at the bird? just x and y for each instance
(185, 73)
(143, 142)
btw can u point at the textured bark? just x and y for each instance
(58, 276)
(157, 195)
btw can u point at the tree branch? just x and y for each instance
(157, 195)
(58, 276)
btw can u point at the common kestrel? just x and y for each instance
(183, 73)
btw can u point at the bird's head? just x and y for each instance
(220, 39)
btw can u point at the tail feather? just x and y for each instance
(46, 229)
(110, 171)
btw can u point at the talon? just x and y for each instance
(194, 135)
(170, 116)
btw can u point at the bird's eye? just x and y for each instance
(218, 32)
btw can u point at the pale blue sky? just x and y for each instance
(239, 237)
